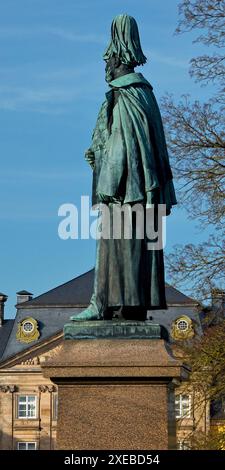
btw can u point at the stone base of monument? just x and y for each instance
(116, 387)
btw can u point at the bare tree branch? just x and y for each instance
(196, 140)
(208, 16)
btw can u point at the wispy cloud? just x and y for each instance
(20, 215)
(43, 175)
(167, 60)
(65, 34)
(48, 88)
(19, 98)
(66, 73)
(73, 36)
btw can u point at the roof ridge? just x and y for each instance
(35, 347)
(180, 292)
(55, 288)
(77, 292)
(10, 323)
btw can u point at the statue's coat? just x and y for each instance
(131, 165)
(131, 158)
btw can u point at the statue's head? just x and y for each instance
(125, 46)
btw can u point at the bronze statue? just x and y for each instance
(130, 165)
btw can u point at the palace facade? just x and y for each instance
(28, 401)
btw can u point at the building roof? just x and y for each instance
(78, 291)
(5, 331)
(176, 297)
(50, 322)
(54, 308)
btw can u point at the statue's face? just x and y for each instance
(110, 69)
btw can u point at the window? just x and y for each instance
(217, 408)
(182, 325)
(55, 406)
(183, 406)
(26, 445)
(28, 326)
(27, 406)
(183, 445)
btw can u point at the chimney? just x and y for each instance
(3, 299)
(23, 296)
(218, 301)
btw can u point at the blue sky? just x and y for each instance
(51, 86)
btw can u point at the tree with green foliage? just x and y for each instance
(206, 358)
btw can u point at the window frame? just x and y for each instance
(30, 323)
(55, 406)
(27, 444)
(182, 415)
(27, 395)
(183, 444)
(183, 321)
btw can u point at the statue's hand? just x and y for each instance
(90, 158)
(103, 198)
(108, 199)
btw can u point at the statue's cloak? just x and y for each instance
(131, 165)
(131, 158)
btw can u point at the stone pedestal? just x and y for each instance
(116, 387)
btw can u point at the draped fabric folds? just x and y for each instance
(125, 42)
(131, 158)
(131, 165)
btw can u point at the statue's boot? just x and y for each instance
(90, 313)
